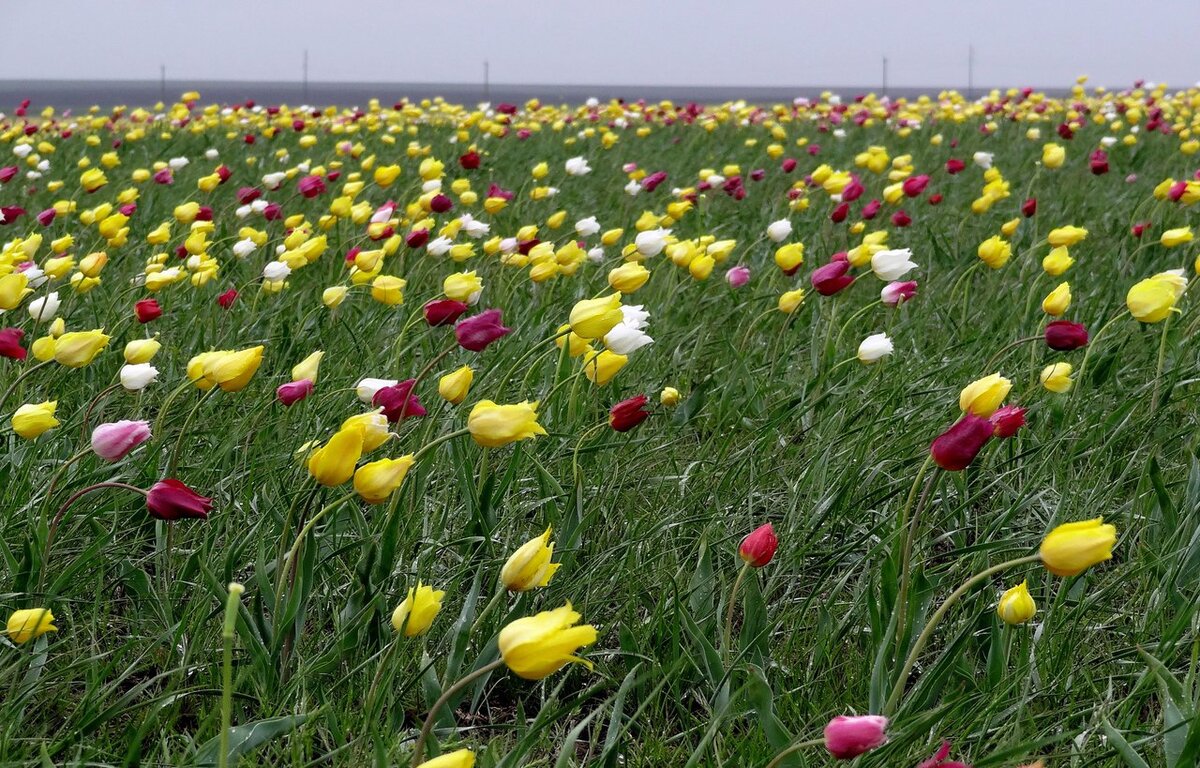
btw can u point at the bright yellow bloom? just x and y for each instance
(141, 350)
(333, 297)
(1057, 261)
(1072, 548)
(461, 758)
(333, 463)
(669, 397)
(983, 396)
(995, 251)
(416, 614)
(576, 344)
(454, 386)
(593, 318)
(1067, 236)
(228, 369)
(14, 287)
(308, 367)
(463, 286)
(494, 426)
(388, 289)
(1056, 377)
(530, 567)
(1152, 299)
(789, 257)
(1016, 605)
(628, 277)
(92, 179)
(1058, 300)
(376, 481)
(29, 624)
(373, 426)
(1053, 156)
(77, 349)
(1178, 236)
(791, 300)
(31, 420)
(536, 647)
(601, 368)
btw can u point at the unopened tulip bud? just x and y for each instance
(1016, 605)
(294, 391)
(1064, 336)
(170, 499)
(848, 737)
(669, 397)
(957, 447)
(759, 546)
(832, 277)
(627, 414)
(114, 441)
(1007, 421)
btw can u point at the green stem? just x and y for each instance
(62, 511)
(937, 617)
(1088, 351)
(13, 387)
(227, 631)
(906, 552)
(838, 339)
(794, 749)
(438, 441)
(996, 357)
(727, 637)
(174, 462)
(291, 553)
(419, 749)
(1162, 356)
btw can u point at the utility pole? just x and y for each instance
(162, 83)
(305, 75)
(970, 72)
(487, 86)
(885, 65)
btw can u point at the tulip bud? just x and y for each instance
(294, 391)
(627, 414)
(896, 293)
(759, 546)
(170, 499)
(1064, 336)
(957, 447)
(476, 333)
(454, 386)
(147, 310)
(832, 277)
(112, 442)
(669, 397)
(1016, 605)
(398, 402)
(848, 737)
(29, 624)
(10, 344)
(1072, 548)
(1007, 421)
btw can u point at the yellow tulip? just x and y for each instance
(463, 286)
(14, 287)
(1056, 377)
(454, 386)
(141, 350)
(530, 567)
(1016, 605)
(983, 396)
(669, 397)
(1174, 237)
(333, 297)
(31, 420)
(1152, 299)
(995, 251)
(232, 371)
(333, 463)
(791, 300)
(461, 758)
(536, 647)
(601, 368)
(494, 426)
(789, 257)
(388, 289)
(628, 277)
(373, 426)
(593, 318)
(576, 344)
(79, 348)
(377, 480)
(308, 367)
(92, 179)
(29, 624)
(1067, 236)
(1053, 156)
(1058, 300)
(1072, 548)
(1057, 261)
(415, 615)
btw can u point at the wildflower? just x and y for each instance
(536, 647)
(1056, 377)
(530, 567)
(495, 426)
(1072, 548)
(170, 499)
(957, 447)
(414, 616)
(29, 624)
(874, 348)
(848, 737)
(758, 548)
(115, 440)
(1016, 605)
(627, 414)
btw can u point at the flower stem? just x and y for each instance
(937, 617)
(438, 441)
(906, 552)
(1162, 356)
(62, 511)
(227, 631)
(290, 557)
(419, 749)
(794, 749)
(727, 638)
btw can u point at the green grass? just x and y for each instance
(647, 528)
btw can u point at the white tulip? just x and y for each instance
(778, 231)
(587, 227)
(44, 308)
(367, 388)
(243, 248)
(983, 159)
(578, 166)
(652, 241)
(137, 377)
(892, 265)
(276, 271)
(874, 348)
(624, 339)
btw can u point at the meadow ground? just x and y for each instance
(765, 406)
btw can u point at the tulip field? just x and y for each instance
(613, 434)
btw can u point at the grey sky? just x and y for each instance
(636, 42)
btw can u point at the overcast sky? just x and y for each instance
(635, 42)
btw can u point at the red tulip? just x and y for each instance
(759, 546)
(913, 186)
(311, 186)
(901, 218)
(651, 182)
(839, 214)
(1063, 335)
(871, 210)
(1029, 207)
(853, 190)
(164, 176)
(10, 213)
(1137, 230)
(273, 212)
(443, 311)
(294, 391)
(147, 310)
(226, 299)
(170, 499)
(223, 173)
(1007, 420)
(440, 203)
(7, 173)
(10, 344)
(957, 447)
(46, 217)
(788, 165)
(627, 414)
(935, 198)
(848, 737)
(1099, 162)
(247, 195)
(476, 333)
(398, 402)
(1065, 132)
(470, 160)
(954, 165)
(832, 277)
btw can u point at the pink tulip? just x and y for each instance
(294, 391)
(848, 737)
(114, 441)
(898, 292)
(738, 276)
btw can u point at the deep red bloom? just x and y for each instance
(832, 277)
(147, 310)
(853, 190)
(1007, 420)
(1137, 230)
(440, 203)
(651, 182)
(164, 176)
(226, 299)
(170, 499)
(398, 401)
(416, 238)
(758, 174)
(954, 165)
(788, 165)
(247, 195)
(901, 218)
(46, 217)
(935, 198)
(311, 186)
(871, 209)
(915, 185)
(294, 391)
(839, 214)
(476, 333)
(223, 173)
(759, 546)
(10, 343)
(1029, 207)
(1063, 335)
(9, 214)
(1065, 132)
(627, 414)
(1099, 162)
(273, 212)
(443, 311)
(957, 447)
(470, 160)
(205, 213)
